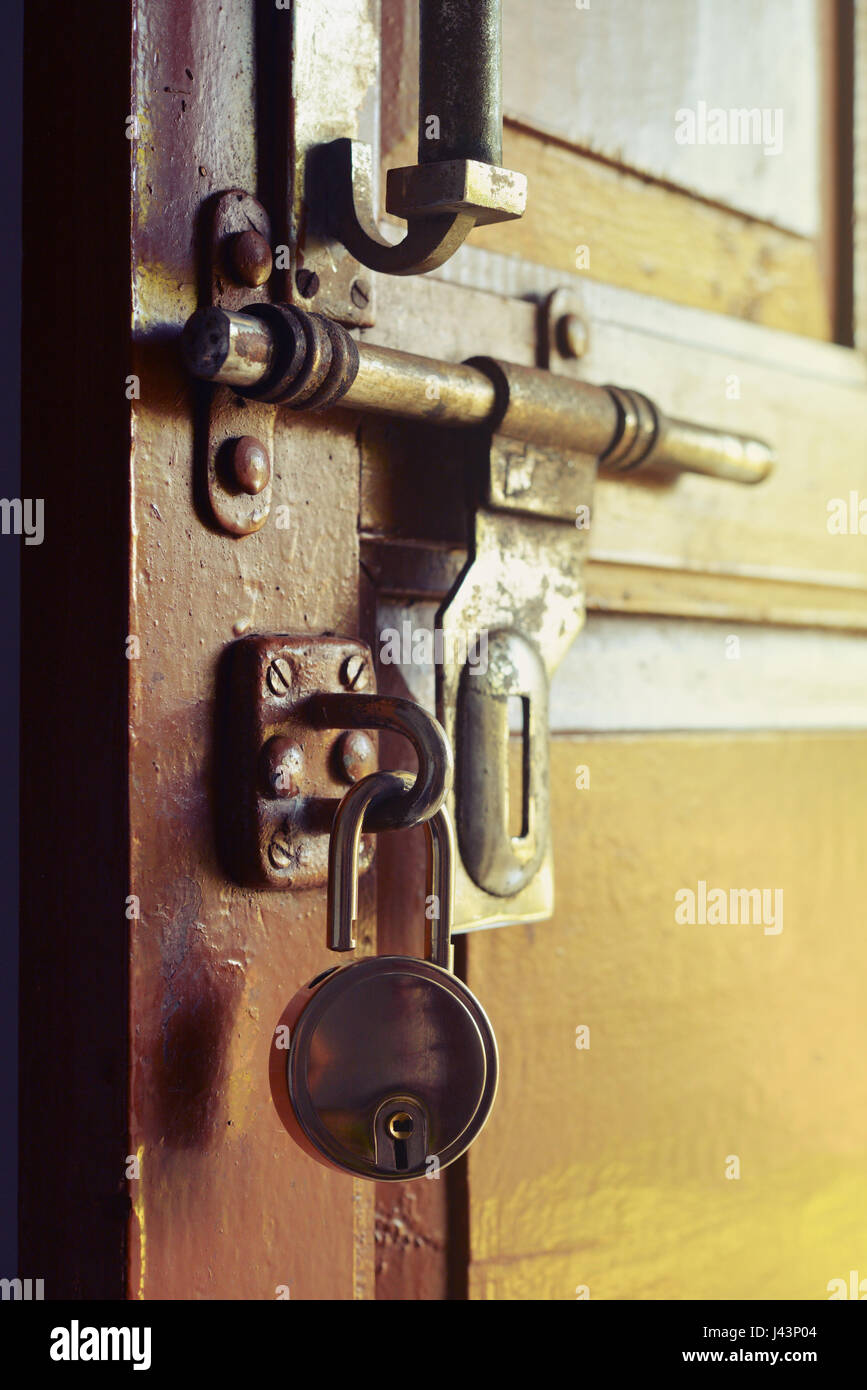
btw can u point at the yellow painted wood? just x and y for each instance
(643, 235)
(606, 1167)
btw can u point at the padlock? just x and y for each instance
(385, 1067)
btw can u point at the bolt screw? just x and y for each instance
(280, 853)
(251, 466)
(279, 676)
(307, 282)
(354, 673)
(284, 763)
(359, 293)
(572, 335)
(252, 261)
(355, 755)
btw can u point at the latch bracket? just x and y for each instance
(520, 603)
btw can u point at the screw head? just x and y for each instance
(284, 764)
(354, 673)
(573, 337)
(252, 261)
(279, 853)
(355, 755)
(251, 465)
(279, 676)
(359, 293)
(307, 282)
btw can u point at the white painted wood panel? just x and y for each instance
(611, 77)
(628, 674)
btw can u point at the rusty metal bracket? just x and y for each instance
(281, 775)
(290, 744)
(237, 445)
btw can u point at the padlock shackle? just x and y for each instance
(440, 838)
(346, 830)
(408, 805)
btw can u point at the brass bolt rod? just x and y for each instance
(623, 429)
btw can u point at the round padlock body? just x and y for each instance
(392, 1063)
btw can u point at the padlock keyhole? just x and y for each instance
(401, 1126)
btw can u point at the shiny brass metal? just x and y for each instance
(458, 183)
(401, 1125)
(360, 805)
(623, 429)
(391, 1068)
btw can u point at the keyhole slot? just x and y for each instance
(400, 1127)
(518, 755)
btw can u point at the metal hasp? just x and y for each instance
(515, 611)
(282, 762)
(458, 183)
(519, 603)
(271, 353)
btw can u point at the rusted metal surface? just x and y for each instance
(460, 81)
(223, 1207)
(409, 719)
(356, 755)
(280, 778)
(232, 220)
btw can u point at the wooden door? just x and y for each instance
(681, 1109)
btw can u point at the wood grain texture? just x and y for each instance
(605, 1167)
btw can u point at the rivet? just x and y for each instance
(355, 755)
(284, 762)
(573, 337)
(251, 258)
(251, 466)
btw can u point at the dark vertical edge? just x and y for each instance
(74, 794)
(458, 1193)
(838, 158)
(10, 560)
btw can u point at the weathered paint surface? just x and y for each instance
(225, 1205)
(606, 1166)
